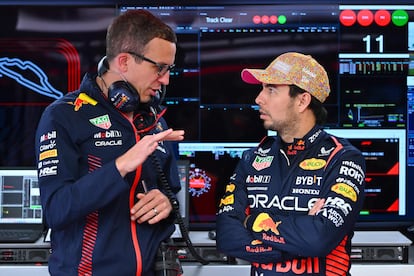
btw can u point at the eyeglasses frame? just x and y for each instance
(162, 68)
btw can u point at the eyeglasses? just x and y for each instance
(162, 68)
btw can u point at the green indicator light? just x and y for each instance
(399, 18)
(282, 19)
(364, 213)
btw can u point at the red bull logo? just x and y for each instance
(264, 222)
(256, 242)
(308, 265)
(273, 238)
(122, 101)
(293, 149)
(256, 247)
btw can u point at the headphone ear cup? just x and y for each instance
(123, 96)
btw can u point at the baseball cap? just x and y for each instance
(293, 68)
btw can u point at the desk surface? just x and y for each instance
(196, 269)
(229, 270)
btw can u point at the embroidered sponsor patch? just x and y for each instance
(312, 164)
(83, 99)
(48, 154)
(261, 163)
(48, 136)
(102, 121)
(230, 187)
(345, 190)
(264, 222)
(228, 200)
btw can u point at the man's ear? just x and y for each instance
(121, 62)
(304, 100)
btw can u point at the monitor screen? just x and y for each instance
(385, 179)
(371, 79)
(210, 167)
(216, 42)
(20, 197)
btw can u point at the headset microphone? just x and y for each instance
(159, 97)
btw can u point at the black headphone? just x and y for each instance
(120, 93)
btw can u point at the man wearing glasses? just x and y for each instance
(100, 194)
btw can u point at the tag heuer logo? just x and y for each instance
(101, 121)
(261, 163)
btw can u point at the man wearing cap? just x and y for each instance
(292, 202)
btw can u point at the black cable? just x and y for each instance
(176, 210)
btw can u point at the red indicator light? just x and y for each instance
(257, 19)
(347, 18)
(265, 19)
(365, 18)
(382, 18)
(273, 19)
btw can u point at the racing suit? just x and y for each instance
(85, 200)
(263, 215)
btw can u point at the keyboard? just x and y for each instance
(19, 235)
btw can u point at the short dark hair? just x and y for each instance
(320, 112)
(132, 30)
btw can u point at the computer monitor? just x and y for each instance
(20, 197)
(210, 167)
(21, 214)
